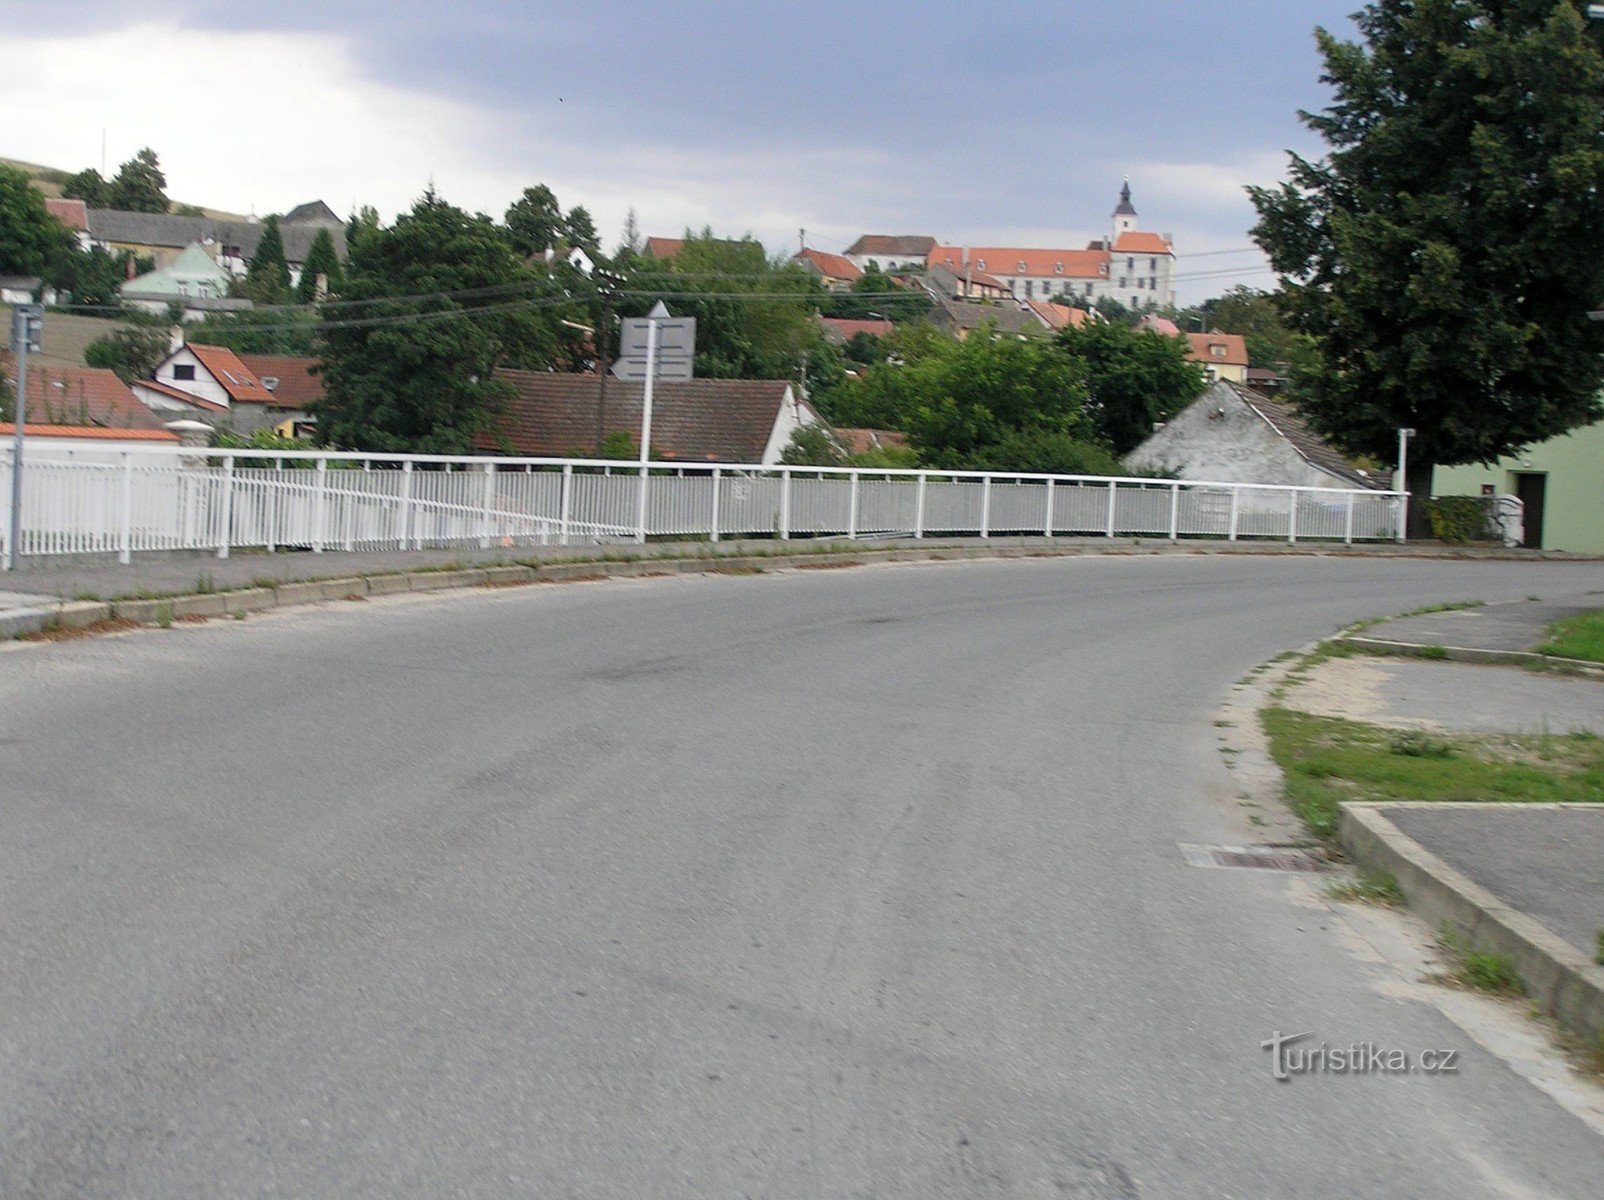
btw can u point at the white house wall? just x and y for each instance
(1236, 446)
(203, 385)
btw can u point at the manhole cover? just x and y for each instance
(1256, 858)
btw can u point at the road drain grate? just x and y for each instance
(1256, 858)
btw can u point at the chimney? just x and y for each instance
(175, 339)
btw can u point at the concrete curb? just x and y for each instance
(154, 610)
(1558, 977)
(1472, 654)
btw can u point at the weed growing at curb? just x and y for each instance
(1480, 970)
(1598, 953)
(164, 616)
(1371, 887)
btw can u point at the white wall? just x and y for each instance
(203, 385)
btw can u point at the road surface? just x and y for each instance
(825, 884)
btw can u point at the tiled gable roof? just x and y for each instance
(84, 396)
(903, 245)
(1056, 316)
(148, 229)
(1016, 261)
(862, 440)
(703, 420)
(1232, 349)
(841, 329)
(962, 314)
(241, 384)
(1137, 241)
(831, 266)
(92, 433)
(662, 247)
(173, 393)
(1284, 419)
(298, 382)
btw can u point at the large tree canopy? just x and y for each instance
(139, 185)
(32, 242)
(1136, 378)
(1445, 253)
(419, 378)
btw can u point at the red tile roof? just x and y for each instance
(703, 420)
(661, 247)
(298, 381)
(831, 266)
(845, 329)
(1056, 316)
(235, 377)
(860, 441)
(71, 213)
(81, 396)
(1233, 350)
(96, 433)
(1016, 261)
(1138, 242)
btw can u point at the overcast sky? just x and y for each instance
(978, 123)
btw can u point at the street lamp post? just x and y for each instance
(1402, 483)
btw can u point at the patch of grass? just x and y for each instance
(91, 597)
(1434, 652)
(164, 616)
(1372, 887)
(1481, 970)
(1328, 760)
(1577, 637)
(204, 584)
(1598, 952)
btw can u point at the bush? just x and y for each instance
(1457, 519)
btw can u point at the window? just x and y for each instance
(183, 289)
(1058, 268)
(1130, 264)
(1030, 289)
(1153, 283)
(1123, 282)
(1021, 266)
(1217, 350)
(980, 264)
(1152, 264)
(184, 371)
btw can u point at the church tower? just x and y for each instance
(1124, 214)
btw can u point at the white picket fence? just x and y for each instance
(146, 499)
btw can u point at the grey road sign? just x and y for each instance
(676, 348)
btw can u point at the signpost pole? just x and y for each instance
(27, 332)
(646, 425)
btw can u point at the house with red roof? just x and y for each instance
(84, 411)
(218, 386)
(837, 272)
(1221, 355)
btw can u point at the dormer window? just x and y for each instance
(1217, 350)
(1021, 266)
(1058, 268)
(980, 264)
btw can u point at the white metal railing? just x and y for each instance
(164, 498)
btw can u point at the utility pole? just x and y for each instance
(606, 280)
(27, 335)
(801, 240)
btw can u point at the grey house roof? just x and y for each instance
(1284, 419)
(960, 314)
(232, 237)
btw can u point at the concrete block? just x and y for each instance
(513, 574)
(434, 581)
(250, 600)
(339, 589)
(211, 604)
(297, 593)
(78, 613)
(388, 585)
(146, 612)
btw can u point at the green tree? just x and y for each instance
(133, 352)
(580, 231)
(1136, 378)
(139, 185)
(754, 315)
(1445, 252)
(322, 260)
(876, 296)
(32, 242)
(258, 332)
(267, 280)
(363, 222)
(813, 446)
(92, 276)
(420, 375)
(535, 221)
(89, 186)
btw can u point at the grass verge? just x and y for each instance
(1371, 887)
(1480, 970)
(1326, 761)
(1577, 637)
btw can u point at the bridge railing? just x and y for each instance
(125, 501)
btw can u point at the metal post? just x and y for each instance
(852, 508)
(1347, 525)
(1175, 512)
(320, 506)
(486, 501)
(646, 423)
(985, 507)
(785, 505)
(27, 322)
(1047, 522)
(1402, 484)
(125, 544)
(406, 505)
(1292, 517)
(919, 508)
(1113, 490)
(712, 526)
(566, 512)
(1236, 504)
(226, 532)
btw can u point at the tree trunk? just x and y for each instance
(1418, 485)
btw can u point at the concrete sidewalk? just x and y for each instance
(1520, 626)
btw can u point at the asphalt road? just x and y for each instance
(825, 884)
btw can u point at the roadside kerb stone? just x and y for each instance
(1558, 977)
(387, 585)
(1471, 654)
(434, 581)
(78, 613)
